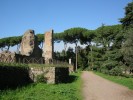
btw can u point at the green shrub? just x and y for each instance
(110, 64)
(41, 78)
(105, 71)
(115, 71)
(127, 75)
(13, 75)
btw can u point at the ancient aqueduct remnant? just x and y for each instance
(29, 45)
(48, 47)
(29, 48)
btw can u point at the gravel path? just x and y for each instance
(98, 88)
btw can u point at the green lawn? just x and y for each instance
(128, 82)
(40, 91)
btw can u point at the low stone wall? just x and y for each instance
(51, 74)
(11, 77)
(7, 57)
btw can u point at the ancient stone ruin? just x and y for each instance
(48, 47)
(28, 49)
(52, 74)
(30, 52)
(7, 56)
(29, 45)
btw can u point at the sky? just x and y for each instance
(17, 16)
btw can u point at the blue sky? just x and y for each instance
(16, 16)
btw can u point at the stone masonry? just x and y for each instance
(48, 47)
(51, 74)
(7, 57)
(29, 44)
(47, 72)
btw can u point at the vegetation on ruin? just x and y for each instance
(22, 65)
(13, 65)
(41, 91)
(50, 65)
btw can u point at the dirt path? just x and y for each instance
(97, 88)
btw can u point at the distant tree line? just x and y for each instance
(109, 48)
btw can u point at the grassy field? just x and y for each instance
(128, 82)
(40, 91)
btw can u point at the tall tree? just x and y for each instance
(73, 35)
(127, 21)
(127, 49)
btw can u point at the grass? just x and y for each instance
(128, 82)
(41, 91)
(13, 65)
(60, 64)
(49, 65)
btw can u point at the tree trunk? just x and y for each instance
(91, 56)
(76, 57)
(18, 47)
(41, 45)
(65, 47)
(8, 47)
(1, 48)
